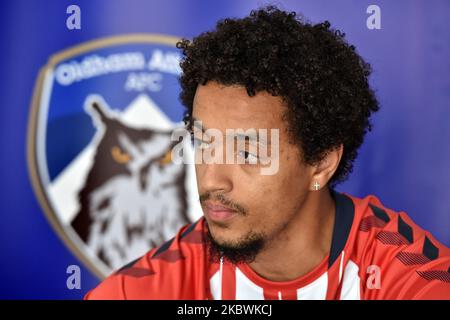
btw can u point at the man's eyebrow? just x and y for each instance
(198, 124)
(254, 136)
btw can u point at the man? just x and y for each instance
(285, 235)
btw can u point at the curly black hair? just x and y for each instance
(320, 77)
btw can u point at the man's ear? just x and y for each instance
(325, 169)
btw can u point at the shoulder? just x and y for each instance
(166, 272)
(410, 262)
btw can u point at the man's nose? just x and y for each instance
(214, 178)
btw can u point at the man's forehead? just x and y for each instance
(216, 104)
(214, 95)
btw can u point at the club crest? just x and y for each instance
(99, 148)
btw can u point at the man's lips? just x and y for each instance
(218, 212)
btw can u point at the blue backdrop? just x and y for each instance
(405, 161)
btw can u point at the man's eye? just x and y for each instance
(249, 157)
(200, 144)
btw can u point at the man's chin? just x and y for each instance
(234, 247)
(225, 234)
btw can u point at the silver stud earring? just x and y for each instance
(316, 186)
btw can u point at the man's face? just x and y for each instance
(241, 205)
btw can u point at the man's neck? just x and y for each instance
(303, 244)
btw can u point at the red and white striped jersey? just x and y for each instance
(376, 253)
